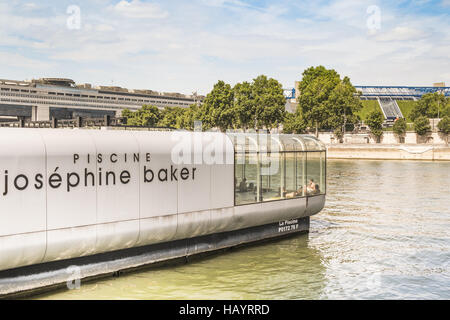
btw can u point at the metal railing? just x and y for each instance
(79, 122)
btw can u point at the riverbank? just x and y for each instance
(389, 152)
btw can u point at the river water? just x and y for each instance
(384, 234)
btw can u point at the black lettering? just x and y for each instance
(55, 180)
(149, 171)
(147, 157)
(184, 173)
(165, 174)
(173, 174)
(136, 157)
(111, 158)
(70, 184)
(75, 157)
(86, 175)
(193, 173)
(6, 183)
(99, 158)
(99, 176)
(125, 177)
(108, 173)
(16, 184)
(39, 183)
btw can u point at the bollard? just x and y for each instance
(54, 123)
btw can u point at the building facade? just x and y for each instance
(46, 98)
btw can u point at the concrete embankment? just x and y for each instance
(389, 152)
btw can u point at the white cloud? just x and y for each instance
(139, 10)
(197, 45)
(401, 33)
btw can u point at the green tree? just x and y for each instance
(444, 125)
(244, 106)
(190, 115)
(269, 102)
(422, 125)
(325, 100)
(294, 123)
(399, 127)
(430, 105)
(217, 108)
(375, 121)
(147, 116)
(342, 106)
(171, 117)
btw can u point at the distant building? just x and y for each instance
(386, 96)
(63, 99)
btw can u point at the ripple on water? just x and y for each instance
(382, 235)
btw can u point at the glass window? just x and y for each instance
(271, 169)
(290, 186)
(300, 173)
(246, 169)
(323, 172)
(315, 173)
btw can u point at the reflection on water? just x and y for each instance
(384, 234)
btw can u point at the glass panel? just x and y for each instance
(300, 173)
(312, 143)
(271, 168)
(290, 186)
(323, 173)
(246, 175)
(315, 175)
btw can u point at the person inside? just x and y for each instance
(243, 185)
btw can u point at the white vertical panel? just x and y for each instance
(22, 212)
(158, 193)
(22, 152)
(74, 205)
(222, 174)
(194, 193)
(117, 202)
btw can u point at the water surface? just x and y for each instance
(384, 234)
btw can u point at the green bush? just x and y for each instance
(444, 125)
(294, 123)
(375, 121)
(399, 127)
(422, 125)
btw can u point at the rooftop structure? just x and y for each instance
(45, 98)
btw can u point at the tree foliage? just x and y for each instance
(399, 127)
(326, 100)
(422, 125)
(294, 123)
(147, 116)
(375, 121)
(269, 102)
(217, 108)
(444, 125)
(171, 117)
(430, 105)
(244, 105)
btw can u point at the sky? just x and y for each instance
(187, 46)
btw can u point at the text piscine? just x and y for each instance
(71, 179)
